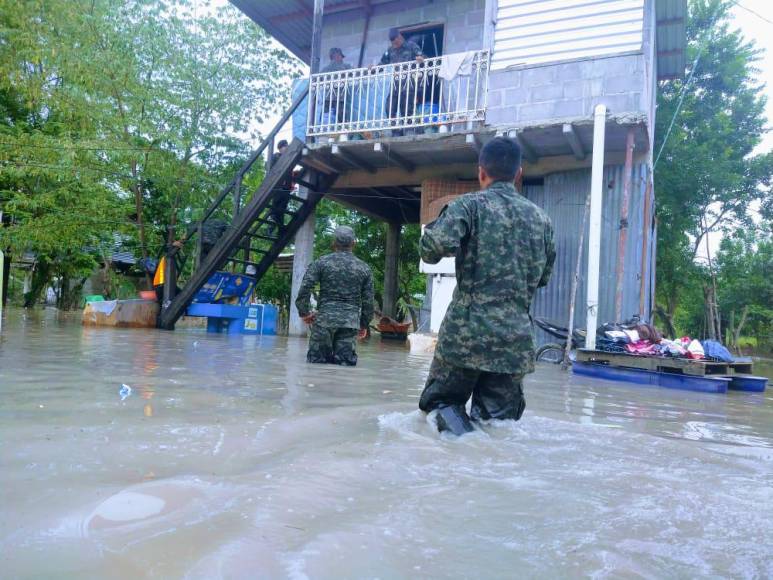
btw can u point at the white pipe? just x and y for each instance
(594, 232)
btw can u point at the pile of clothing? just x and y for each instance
(645, 340)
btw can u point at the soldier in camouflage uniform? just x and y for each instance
(335, 99)
(345, 302)
(402, 97)
(504, 251)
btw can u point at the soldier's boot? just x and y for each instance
(498, 396)
(453, 418)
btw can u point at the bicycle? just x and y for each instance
(553, 352)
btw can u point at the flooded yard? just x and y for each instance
(231, 457)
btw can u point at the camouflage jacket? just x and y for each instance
(504, 251)
(406, 53)
(211, 231)
(345, 291)
(334, 66)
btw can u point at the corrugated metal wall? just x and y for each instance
(563, 196)
(533, 32)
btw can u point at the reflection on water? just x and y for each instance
(233, 458)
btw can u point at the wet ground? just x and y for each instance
(233, 458)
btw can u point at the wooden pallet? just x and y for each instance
(681, 366)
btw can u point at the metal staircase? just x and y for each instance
(253, 238)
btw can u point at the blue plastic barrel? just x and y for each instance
(270, 319)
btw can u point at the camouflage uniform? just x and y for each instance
(211, 231)
(345, 306)
(403, 94)
(504, 251)
(336, 99)
(406, 53)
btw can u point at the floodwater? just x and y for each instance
(232, 458)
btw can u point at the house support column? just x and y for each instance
(391, 268)
(303, 255)
(594, 232)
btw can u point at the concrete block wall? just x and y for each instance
(463, 20)
(538, 94)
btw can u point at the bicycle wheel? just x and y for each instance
(550, 353)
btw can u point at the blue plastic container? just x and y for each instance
(701, 384)
(223, 286)
(234, 319)
(748, 383)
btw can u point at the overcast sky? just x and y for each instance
(755, 27)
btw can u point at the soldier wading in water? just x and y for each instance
(345, 302)
(504, 251)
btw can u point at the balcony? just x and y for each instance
(434, 96)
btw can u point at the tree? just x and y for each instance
(145, 104)
(708, 177)
(744, 263)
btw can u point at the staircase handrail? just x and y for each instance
(249, 163)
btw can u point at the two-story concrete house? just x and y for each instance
(398, 141)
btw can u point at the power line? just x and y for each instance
(687, 85)
(757, 14)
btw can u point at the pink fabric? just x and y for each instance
(641, 347)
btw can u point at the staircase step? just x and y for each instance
(237, 240)
(247, 262)
(261, 237)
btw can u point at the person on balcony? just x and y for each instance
(402, 97)
(334, 105)
(504, 250)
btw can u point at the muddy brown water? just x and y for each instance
(232, 458)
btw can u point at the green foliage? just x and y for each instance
(124, 117)
(709, 177)
(745, 262)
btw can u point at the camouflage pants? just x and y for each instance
(332, 345)
(494, 395)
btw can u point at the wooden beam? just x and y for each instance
(390, 193)
(315, 163)
(391, 156)
(374, 206)
(408, 191)
(316, 35)
(296, 14)
(526, 150)
(574, 141)
(350, 157)
(474, 141)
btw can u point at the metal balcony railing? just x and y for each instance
(399, 96)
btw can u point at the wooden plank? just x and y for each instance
(742, 368)
(527, 151)
(573, 139)
(391, 156)
(353, 159)
(654, 363)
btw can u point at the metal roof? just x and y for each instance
(670, 16)
(290, 23)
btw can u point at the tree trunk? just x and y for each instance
(737, 333)
(668, 320)
(139, 206)
(41, 276)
